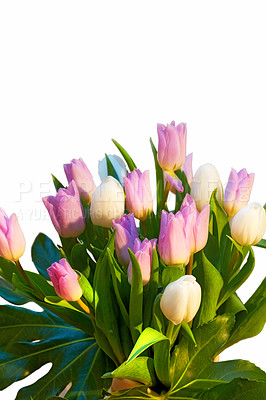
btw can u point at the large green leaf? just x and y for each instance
(30, 339)
(250, 322)
(237, 389)
(44, 253)
(188, 361)
(211, 283)
(7, 291)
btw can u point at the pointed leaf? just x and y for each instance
(127, 158)
(44, 253)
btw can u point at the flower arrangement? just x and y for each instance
(136, 311)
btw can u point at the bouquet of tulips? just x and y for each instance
(138, 300)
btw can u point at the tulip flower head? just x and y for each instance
(66, 211)
(143, 252)
(172, 146)
(249, 224)
(237, 191)
(126, 233)
(65, 280)
(187, 168)
(118, 165)
(107, 203)
(12, 241)
(77, 171)
(200, 226)
(205, 181)
(138, 193)
(181, 299)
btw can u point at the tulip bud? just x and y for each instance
(205, 181)
(138, 193)
(143, 252)
(66, 211)
(77, 171)
(107, 203)
(175, 238)
(118, 165)
(237, 191)
(126, 233)
(181, 299)
(249, 224)
(199, 223)
(12, 241)
(172, 146)
(65, 280)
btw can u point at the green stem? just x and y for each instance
(144, 228)
(165, 194)
(190, 265)
(106, 233)
(27, 279)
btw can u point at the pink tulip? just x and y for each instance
(143, 252)
(126, 233)
(187, 168)
(12, 241)
(200, 228)
(172, 146)
(175, 238)
(65, 280)
(138, 193)
(77, 171)
(66, 211)
(175, 182)
(237, 191)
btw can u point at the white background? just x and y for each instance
(74, 74)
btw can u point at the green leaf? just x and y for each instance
(58, 301)
(87, 290)
(219, 219)
(161, 351)
(140, 369)
(186, 331)
(44, 253)
(188, 361)
(7, 292)
(151, 293)
(171, 273)
(147, 338)
(239, 279)
(262, 243)
(158, 319)
(159, 179)
(136, 299)
(57, 184)
(7, 269)
(28, 340)
(80, 259)
(211, 283)
(127, 158)
(237, 389)
(110, 169)
(250, 323)
(150, 227)
(232, 305)
(104, 304)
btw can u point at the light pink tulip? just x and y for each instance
(175, 182)
(172, 146)
(138, 193)
(77, 171)
(65, 280)
(237, 191)
(187, 168)
(143, 252)
(126, 233)
(12, 241)
(200, 228)
(66, 211)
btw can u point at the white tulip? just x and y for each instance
(181, 299)
(118, 165)
(249, 224)
(205, 181)
(107, 202)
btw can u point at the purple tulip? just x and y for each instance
(143, 252)
(237, 191)
(77, 171)
(172, 146)
(138, 193)
(200, 229)
(126, 233)
(66, 211)
(12, 241)
(65, 280)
